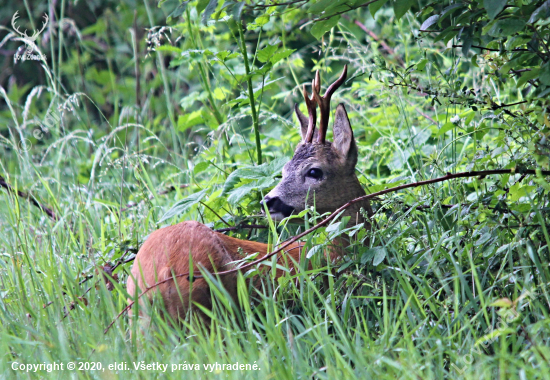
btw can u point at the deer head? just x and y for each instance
(24, 35)
(321, 173)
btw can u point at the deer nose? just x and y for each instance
(276, 205)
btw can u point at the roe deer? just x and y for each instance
(320, 173)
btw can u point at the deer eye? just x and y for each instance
(314, 173)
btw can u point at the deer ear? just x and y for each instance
(344, 143)
(303, 119)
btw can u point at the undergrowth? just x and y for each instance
(123, 130)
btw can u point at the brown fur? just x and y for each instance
(166, 253)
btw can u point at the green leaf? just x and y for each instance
(281, 54)
(544, 76)
(321, 27)
(265, 54)
(494, 7)
(200, 167)
(254, 172)
(445, 128)
(379, 255)
(323, 6)
(190, 120)
(178, 11)
(184, 205)
(420, 65)
(541, 12)
(236, 195)
(210, 8)
(226, 55)
(518, 191)
(374, 7)
(506, 27)
(429, 22)
(400, 7)
(467, 39)
(527, 76)
(237, 10)
(201, 5)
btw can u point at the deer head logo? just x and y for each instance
(26, 38)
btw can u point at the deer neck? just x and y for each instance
(352, 189)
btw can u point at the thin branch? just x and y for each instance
(489, 49)
(9, 188)
(423, 92)
(496, 107)
(263, 6)
(379, 40)
(215, 213)
(251, 226)
(449, 176)
(345, 11)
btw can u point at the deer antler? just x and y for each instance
(311, 108)
(324, 102)
(15, 17)
(36, 33)
(24, 35)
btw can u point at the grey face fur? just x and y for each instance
(319, 174)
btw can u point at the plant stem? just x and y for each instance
(251, 94)
(215, 111)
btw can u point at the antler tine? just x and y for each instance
(16, 28)
(324, 102)
(317, 81)
(312, 113)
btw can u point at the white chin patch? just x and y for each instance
(277, 216)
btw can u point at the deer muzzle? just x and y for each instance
(276, 207)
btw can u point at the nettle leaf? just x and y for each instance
(190, 119)
(281, 54)
(237, 194)
(264, 176)
(400, 7)
(226, 55)
(265, 54)
(321, 27)
(184, 205)
(518, 191)
(494, 7)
